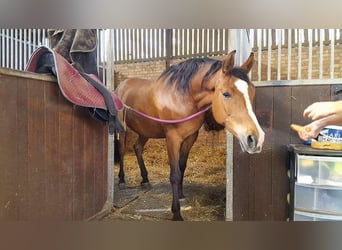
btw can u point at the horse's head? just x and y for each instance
(232, 104)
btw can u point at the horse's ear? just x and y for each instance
(248, 64)
(228, 62)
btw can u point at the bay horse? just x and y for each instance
(174, 107)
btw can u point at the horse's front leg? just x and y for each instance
(183, 158)
(173, 147)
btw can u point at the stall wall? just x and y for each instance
(261, 182)
(53, 155)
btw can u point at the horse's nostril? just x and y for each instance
(251, 141)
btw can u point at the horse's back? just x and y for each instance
(138, 94)
(131, 84)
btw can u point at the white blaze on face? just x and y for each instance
(242, 86)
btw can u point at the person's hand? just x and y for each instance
(319, 110)
(309, 131)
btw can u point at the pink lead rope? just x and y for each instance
(168, 121)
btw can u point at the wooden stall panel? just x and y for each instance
(8, 133)
(260, 181)
(53, 154)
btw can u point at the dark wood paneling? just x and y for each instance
(53, 154)
(280, 138)
(260, 181)
(8, 200)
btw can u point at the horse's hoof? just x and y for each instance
(122, 185)
(177, 218)
(146, 185)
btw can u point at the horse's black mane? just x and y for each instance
(182, 73)
(241, 74)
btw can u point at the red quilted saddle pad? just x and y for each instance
(74, 87)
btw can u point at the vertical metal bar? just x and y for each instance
(181, 42)
(321, 38)
(104, 35)
(299, 67)
(34, 35)
(29, 41)
(2, 47)
(269, 54)
(279, 37)
(310, 40)
(21, 63)
(259, 41)
(25, 46)
(110, 84)
(7, 48)
(16, 47)
(11, 49)
(147, 43)
(138, 46)
(289, 53)
(124, 44)
(332, 53)
(156, 43)
(232, 40)
(164, 31)
(136, 43)
(194, 41)
(99, 51)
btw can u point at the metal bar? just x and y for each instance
(289, 54)
(299, 67)
(332, 53)
(321, 38)
(259, 38)
(310, 53)
(7, 48)
(269, 54)
(279, 36)
(3, 47)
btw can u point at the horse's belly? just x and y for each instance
(147, 129)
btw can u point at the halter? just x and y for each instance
(168, 121)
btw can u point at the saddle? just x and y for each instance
(78, 87)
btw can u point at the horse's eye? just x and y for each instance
(226, 95)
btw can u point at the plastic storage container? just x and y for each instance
(319, 170)
(315, 184)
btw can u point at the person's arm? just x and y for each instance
(319, 110)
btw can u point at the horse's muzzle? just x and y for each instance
(252, 144)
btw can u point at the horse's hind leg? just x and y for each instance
(120, 143)
(138, 149)
(183, 158)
